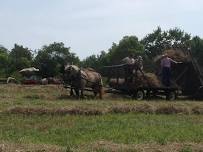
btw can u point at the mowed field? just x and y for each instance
(45, 118)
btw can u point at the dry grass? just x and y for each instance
(14, 147)
(101, 146)
(171, 109)
(197, 110)
(55, 111)
(151, 147)
(122, 109)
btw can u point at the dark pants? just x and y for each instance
(166, 76)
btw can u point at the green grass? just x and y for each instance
(76, 130)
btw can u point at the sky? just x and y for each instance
(90, 26)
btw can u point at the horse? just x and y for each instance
(79, 79)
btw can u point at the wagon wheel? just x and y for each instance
(139, 95)
(171, 95)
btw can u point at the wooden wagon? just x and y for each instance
(123, 79)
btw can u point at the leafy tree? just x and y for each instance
(197, 49)
(128, 45)
(19, 58)
(96, 61)
(52, 58)
(3, 61)
(158, 41)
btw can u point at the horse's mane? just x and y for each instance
(76, 68)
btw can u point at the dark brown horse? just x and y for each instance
(84, 78)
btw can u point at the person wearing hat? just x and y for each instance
(166, 63)
(129, 59)
(140, 62)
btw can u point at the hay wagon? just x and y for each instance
(188, 76)
(130, 80)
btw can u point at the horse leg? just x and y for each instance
(95, 94)
(77, 91)
(71, 92)
(101, 92)
(82, 93)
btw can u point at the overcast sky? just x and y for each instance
(89, 26)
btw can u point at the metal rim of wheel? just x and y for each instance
(140, 95)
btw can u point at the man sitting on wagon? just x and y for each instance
(129, 60)
(129, 67)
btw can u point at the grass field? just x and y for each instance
(44, 118)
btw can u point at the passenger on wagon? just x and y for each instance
(128, 60)
(166, 62)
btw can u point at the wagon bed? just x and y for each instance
(117, 73)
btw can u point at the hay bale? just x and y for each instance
(177, 55)
(148, 79)
(153, 80)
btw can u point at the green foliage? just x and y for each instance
(197, 49)
(96, 61)
(19, 58)
(3, 62)
(158, 41)
(52, 58)
(128, 45)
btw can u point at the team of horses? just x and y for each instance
(80, 79)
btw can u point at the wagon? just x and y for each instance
(121, 79)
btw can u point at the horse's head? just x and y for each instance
(71, 70)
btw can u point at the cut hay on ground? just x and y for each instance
(17, 147)
(151, 147)
(123, 109)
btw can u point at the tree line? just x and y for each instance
(50, 59)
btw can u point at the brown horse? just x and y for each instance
(84, 78)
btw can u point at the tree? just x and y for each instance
(3, 61)
(52, 58)
(128, 45)
(197, 49)
(19, 58)
(158, 41)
